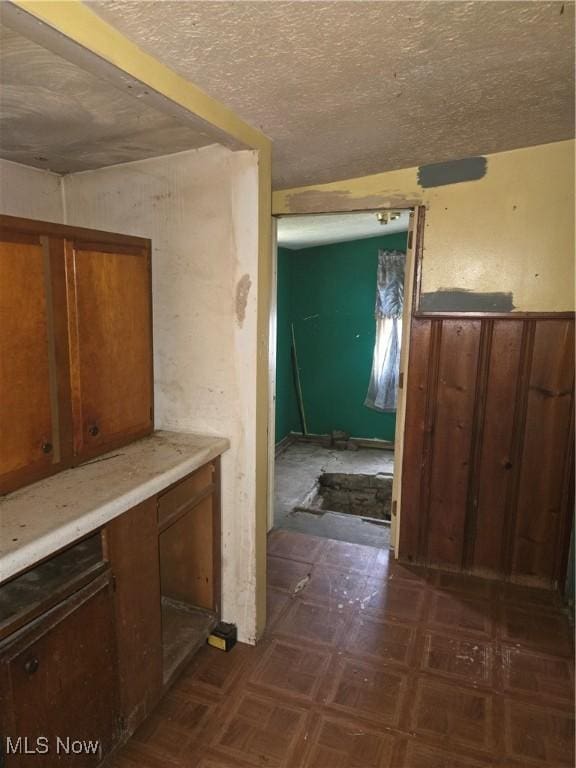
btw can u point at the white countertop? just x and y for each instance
(40, 519)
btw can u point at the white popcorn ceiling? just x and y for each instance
(308, 231)
(351, 88)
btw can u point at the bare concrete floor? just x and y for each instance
(297, 470)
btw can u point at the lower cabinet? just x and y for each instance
(58, 682)
(91, 638)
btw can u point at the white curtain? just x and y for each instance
(383, 386)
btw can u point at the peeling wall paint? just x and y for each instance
(30, 193)
(199, 209)
(453, 172)
(511, 231)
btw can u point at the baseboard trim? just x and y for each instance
(361, 442)
(284, 443)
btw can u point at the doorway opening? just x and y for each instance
(339, 315)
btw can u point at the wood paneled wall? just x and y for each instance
(488, 480)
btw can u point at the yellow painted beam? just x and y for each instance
(80, 24)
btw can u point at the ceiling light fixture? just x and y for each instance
(385, 217)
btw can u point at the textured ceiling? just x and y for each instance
(308, 231)
(56, 116)
(350, 88)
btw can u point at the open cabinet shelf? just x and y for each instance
(189, 559)
(184, 632)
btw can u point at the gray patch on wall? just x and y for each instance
(459, 300)
(452, 172)
(242, 291)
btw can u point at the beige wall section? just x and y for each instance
(30, 193)
(511, 231)
(200, 210)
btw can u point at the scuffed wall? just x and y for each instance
(200, 210)
(501, 242)
(30, 193)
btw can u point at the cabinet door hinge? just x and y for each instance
(394, 508)
(401, 380)
(410, 238)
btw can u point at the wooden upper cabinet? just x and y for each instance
(109, 308)
(75, 346)
(33, 366)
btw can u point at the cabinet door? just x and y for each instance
(59, 681)
(110, 315)
(33, 365)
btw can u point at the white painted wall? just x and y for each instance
(30, 192)
(200, 210)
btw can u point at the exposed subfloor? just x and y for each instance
(374, 664)
(296, 473)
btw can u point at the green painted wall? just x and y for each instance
(328, 292)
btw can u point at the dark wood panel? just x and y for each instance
(414, 437)
(131, 545)
(452, 441)
(495, 461)
(545, 449)
(487, 481)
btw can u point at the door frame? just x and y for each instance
(415, 232)
(272, 349)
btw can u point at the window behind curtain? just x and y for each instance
(383, 386)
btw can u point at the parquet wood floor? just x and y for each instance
(373, 664)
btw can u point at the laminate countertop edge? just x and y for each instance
(39, 520)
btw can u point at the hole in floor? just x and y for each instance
(361, 495)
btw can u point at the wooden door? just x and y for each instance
(59, 680)
(110, 314)
(34, 417)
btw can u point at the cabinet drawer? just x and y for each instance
(175, 502)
